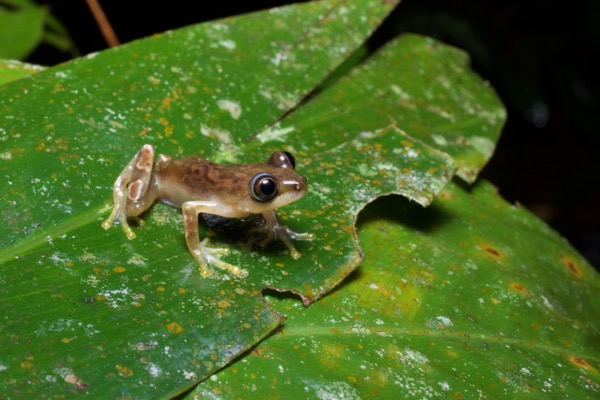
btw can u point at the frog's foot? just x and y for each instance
(265, 234)
(120, 216)
(206, 255)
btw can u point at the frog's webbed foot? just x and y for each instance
(273, 229)
(207, 255)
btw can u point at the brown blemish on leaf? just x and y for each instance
(491, 250)
(580, 362)
(517, 287)
(174, 328)
(572, 266)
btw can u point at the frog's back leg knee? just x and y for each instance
(141, 192)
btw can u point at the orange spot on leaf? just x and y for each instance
(124, 370)
(517, 287)
(174, 328)
(580, 362)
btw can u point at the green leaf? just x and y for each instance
(11, 70)
(29, 32)
(87, 310)
(424, 87)
(20, 31)
(468, 298)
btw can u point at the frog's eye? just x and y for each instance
(290, 159)
(283, 159)
(263, 187)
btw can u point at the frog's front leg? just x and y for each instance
(133, 192)
(273, 229)
(202, 254)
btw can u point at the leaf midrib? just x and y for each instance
(31, 242)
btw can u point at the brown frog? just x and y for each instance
(199, 186)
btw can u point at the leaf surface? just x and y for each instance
(88, 310)
(11, 70)
(451, 301)
(85, 309)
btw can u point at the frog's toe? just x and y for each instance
(302, 236)
(209, 256)
(295, 254)
(233, 269)
(205, 272)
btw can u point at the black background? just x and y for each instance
(540, 56)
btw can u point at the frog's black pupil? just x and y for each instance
(291, 159)
(267, 187)
(263, 187)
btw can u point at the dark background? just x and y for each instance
(540, 56)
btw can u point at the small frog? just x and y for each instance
(199, 186)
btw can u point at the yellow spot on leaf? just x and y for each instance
(223, 303)
(160, 289)
(119, 269)
(124, 370)
(174, 328)
(154, 80)
(517, 287)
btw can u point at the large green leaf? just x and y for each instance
(88, 310)
(442, 103)
(468, 298)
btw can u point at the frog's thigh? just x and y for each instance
(141, 173)
(126, 191)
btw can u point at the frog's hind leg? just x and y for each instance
(133, 192)
(202, 254)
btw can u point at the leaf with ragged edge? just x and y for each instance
(451, 301)
(87, 310)
(134, 317)
(419, 84)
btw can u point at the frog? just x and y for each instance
(197, 186)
